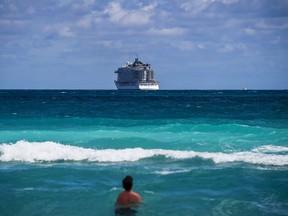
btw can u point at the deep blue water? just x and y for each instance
(65, 152)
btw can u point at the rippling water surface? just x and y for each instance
(190, 152)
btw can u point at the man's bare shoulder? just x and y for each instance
(136, 196)
(126, 198)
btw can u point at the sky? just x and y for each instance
(190, 44)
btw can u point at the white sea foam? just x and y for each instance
(149, 192)
(51, 151)
(169, 172)
(271, 149)
(116, 189)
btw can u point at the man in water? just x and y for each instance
(128, 198)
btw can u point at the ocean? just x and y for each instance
(65, 152)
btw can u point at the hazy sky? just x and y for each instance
(190, 44)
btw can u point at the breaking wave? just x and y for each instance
(33, 152)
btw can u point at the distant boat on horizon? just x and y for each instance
(136, 76)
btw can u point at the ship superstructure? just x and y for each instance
(136, 76)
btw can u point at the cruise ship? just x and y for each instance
(136, 75)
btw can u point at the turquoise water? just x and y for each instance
(190, 152)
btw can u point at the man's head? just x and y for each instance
(127, 183)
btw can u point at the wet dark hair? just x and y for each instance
(127, 183)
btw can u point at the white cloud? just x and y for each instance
(197, 6)
(14, 26)
(88, 20)
(85, 21)
(61, 30)
(67, 51)
(66, 32)
(89, 2)
(117, 14)
(249, 31)
(282, 25)
(187, 46)
(15, 23)
(232, 47)
(110, 43)
(227, 2)
(149, 7)
(166, 31)
(200, 46)
(83, 5)
(226, 48)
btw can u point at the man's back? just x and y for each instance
(128, 198)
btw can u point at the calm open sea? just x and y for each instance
(65, 152)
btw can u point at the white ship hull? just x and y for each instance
(137, 86)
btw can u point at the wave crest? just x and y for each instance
(50, 151)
